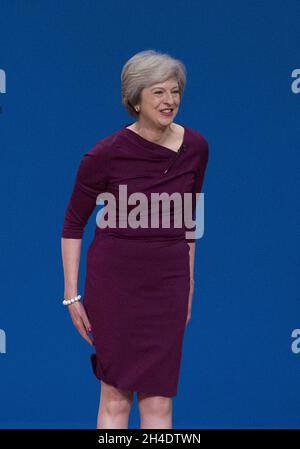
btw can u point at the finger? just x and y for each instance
(83, 333)
(86, 323)
(81, 315)
(86, 337)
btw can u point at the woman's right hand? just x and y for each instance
(80, 320)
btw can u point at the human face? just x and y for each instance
(157, 97)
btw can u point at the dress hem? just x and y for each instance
(102, 377)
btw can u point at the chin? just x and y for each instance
(166, 119)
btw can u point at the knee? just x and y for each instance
(155, 406)
(115, 401)
(116, 407)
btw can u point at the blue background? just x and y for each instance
(63, 61)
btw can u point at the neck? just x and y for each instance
(152, 132)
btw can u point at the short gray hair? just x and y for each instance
(144, 69)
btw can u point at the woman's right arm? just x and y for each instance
(71, 249)
(90, 181)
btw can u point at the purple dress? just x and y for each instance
(137, 280)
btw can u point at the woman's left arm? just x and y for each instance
(199, 178)
(192, 263)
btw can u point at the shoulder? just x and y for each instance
(197, 136)
(102, 147)
(198, 141)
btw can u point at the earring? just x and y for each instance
(137, 108)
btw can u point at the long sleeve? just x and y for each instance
(199, 178)
(91, 179)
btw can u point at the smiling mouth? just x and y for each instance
(166, 112)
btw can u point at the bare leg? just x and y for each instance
(114, 407)
(155, 411)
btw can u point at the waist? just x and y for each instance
(141, 234)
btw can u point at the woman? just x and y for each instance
(139, 280)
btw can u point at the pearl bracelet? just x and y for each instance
(67, 302)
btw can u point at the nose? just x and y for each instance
(168, 98)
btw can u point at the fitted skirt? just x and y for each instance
(136, 297)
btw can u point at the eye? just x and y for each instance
(174, 92)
